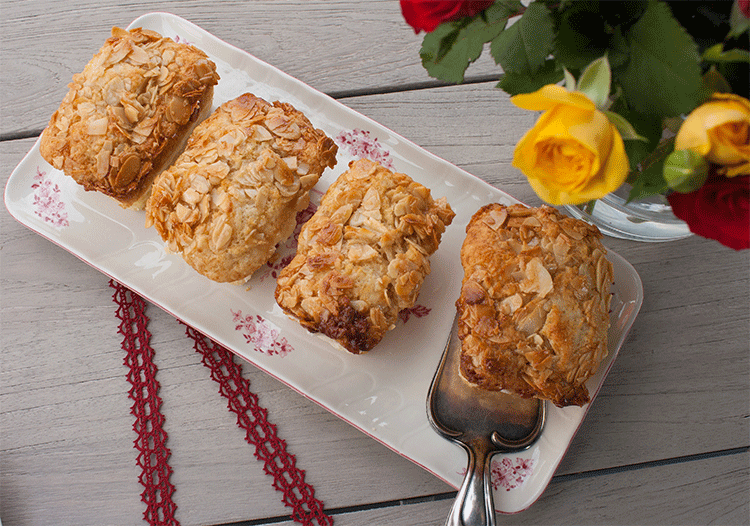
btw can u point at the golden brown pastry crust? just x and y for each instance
(534, 304)
(234, 193)
(128, 114)
(363, 255)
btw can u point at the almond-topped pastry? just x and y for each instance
(363, 255)
(534, 305)
(235, 191)
(127, 116)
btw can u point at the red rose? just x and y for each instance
(426, 15)
(719, 210)
(744, 6)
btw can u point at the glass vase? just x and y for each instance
(650, 219)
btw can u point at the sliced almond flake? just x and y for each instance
(498, 218)
(167, 56)
(165, 76)
(85, 108)
(371, 200)
(308, 181)
(290, 161)
(138, 138)
(113, 91)
(98, 126)
(200, 184)
(63, 123)
(221, 234)
(538, 278)
(102, 159)
(130, 167)
(511, 304)
(145, 126)
(204, 206)
(131, 113)
(533, 321)
(182, 212)
(288, 190)
(191, 196)
(151, 34)
(602, 273)
(120, 51)
(572, 233)
(139, 56)
(360, 252)
(261, 133)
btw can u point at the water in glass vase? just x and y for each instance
(650, 219)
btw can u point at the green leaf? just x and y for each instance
(646, 126)
(713, 82)
(627, 132)
(450, 49)
(716, 53)
(649, 183)
(435, 47)
(636, 151)
(663, 75)
(595, 82)
(618, 51)
(649, 180)
(504, 9)
(517, 83)
(581, 36)
(525, 45)
(685, 171)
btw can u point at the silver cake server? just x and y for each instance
(484, 423)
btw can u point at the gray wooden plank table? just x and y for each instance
(666, 441)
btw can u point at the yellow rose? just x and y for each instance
(573, 154)
(719, 130)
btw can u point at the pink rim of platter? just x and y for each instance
(382, 393)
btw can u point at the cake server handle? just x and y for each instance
(474, 504)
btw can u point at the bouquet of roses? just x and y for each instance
(646, 92)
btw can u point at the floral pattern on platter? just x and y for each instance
(417, 310)
(180, 40)
(47, 203)
(261, 334)
(509, 474)
(360, 143)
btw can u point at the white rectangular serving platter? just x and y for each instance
(383, 393)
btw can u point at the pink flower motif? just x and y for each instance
(259, 333)
(47, 204)
(511, 474)
(274, 267)
(181, 40)
(303, 216)
(417, 310)
(361, 144)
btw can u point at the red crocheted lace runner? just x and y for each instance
(153, 453)
(251, 417)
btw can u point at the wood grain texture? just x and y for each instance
(665, 442)
(703, 491)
